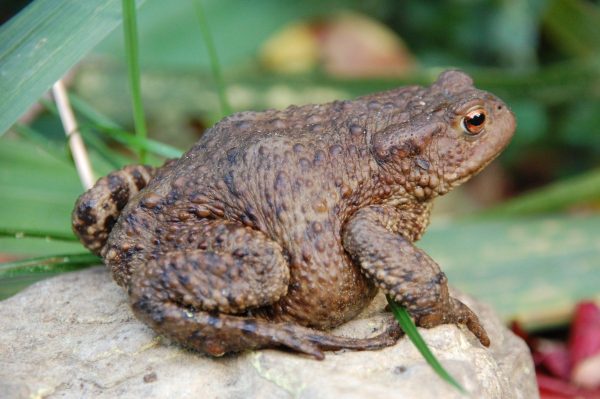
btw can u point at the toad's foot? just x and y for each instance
(405, 272)
(202, 298)
(454, 311)
(218, 333)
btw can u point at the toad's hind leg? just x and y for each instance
(203, 298)
(97, 210)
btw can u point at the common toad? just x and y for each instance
(279, 225)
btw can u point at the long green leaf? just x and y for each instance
(43, 42)
(554, 197)
(52, 263)
(104, 125)
(14, 276)
(108, 127)
(47, 235)
(37, 191)
(92, 114)
(547, 264)
(136, 142)
(411, 331)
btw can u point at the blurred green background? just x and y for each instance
(523, 236)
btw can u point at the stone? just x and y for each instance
(74, 336)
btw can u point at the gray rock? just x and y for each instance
(74, 336)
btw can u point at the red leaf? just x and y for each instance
(555, 360)
(584, 340)
(555, 386)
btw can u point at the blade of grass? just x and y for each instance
(86, 110)
(25, 233)
(138, 143)
(56, 263)
(214, 59)
(105, 125)
(131, 52)
(411, 331)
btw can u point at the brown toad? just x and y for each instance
(278, 225)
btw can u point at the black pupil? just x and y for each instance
(477, 119)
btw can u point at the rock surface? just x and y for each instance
(74, 336)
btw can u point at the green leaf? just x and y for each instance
(111, 129)
(37, 194)
(17, 275)
(54, 263)
(546, 264)
(138, 143)
(411, 331)
(36, 190)
(579, 189)
(48, 235)
(42, 42)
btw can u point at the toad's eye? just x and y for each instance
(474, 122)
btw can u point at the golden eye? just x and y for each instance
(474, 122)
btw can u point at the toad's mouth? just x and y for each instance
(463, 174)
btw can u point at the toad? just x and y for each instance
(280, 225)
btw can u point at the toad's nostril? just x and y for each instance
(499, 107)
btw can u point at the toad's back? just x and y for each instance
(294, 175)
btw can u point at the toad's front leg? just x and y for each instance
(373, 237)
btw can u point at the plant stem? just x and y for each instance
(78, 150)
(214, 59)
(131, 52)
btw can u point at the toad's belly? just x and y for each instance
(324, 292)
